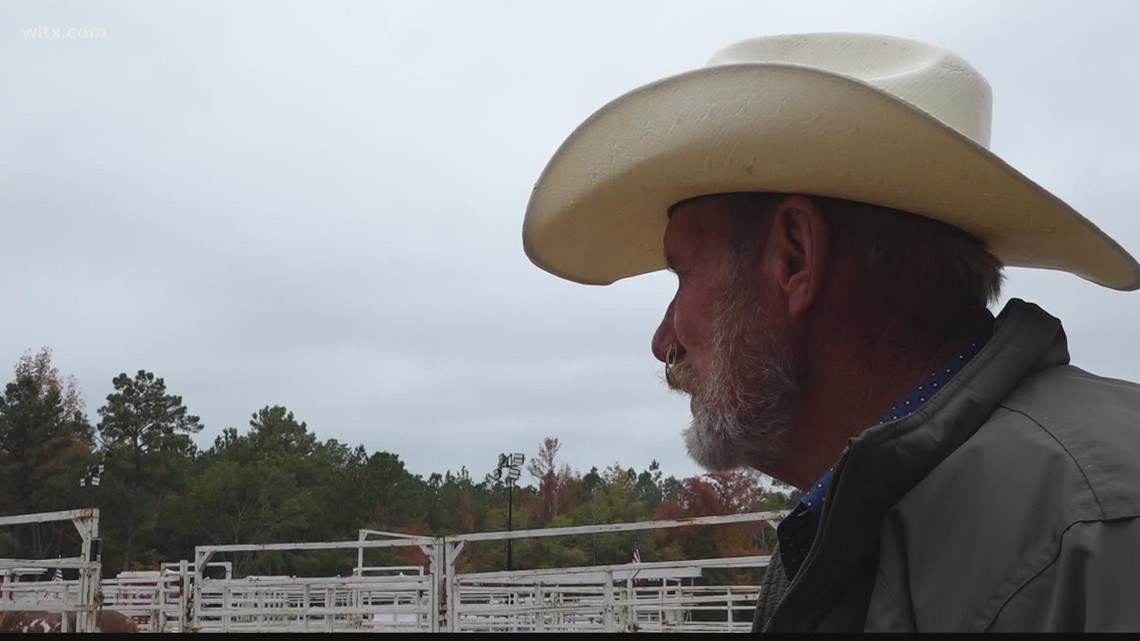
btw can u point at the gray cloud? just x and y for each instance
(319, 204)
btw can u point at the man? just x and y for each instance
(838, 228)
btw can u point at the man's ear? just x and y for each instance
(797, 249)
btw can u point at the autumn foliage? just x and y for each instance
(276, 481)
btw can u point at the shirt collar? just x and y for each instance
(927, 388)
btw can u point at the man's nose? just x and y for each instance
(665, 338)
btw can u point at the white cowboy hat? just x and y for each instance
(863, 117)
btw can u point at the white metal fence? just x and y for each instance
(670, 596)
(601, 600)
(78, 596)
(295, 604)
(153, 599)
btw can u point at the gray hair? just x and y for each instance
(915, 255)
(917, 262)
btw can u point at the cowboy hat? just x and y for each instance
(872, 118)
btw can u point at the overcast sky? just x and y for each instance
(319, 204)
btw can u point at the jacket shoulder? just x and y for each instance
(1062, 448)
(1095, 422)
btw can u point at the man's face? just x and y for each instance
(735, 368)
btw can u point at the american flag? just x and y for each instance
(58, 576)
(636, 553)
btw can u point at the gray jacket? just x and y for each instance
(1008, 502)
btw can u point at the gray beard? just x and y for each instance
(741, 415)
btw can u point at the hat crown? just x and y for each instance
(932, 78)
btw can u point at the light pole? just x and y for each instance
(94, 476)
(512, 463)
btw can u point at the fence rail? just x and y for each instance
(670, 596)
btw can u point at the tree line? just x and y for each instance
(159, 495)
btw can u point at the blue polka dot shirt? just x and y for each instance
(796, 532)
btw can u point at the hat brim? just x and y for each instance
(598, 211)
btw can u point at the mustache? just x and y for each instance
(680, 377)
